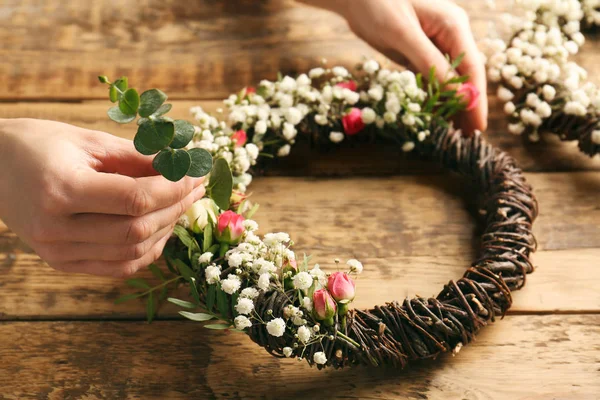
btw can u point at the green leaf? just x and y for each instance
(220, 185)
(172, 164)
(194, 291)
(113, 94)
(184, 132)
(162, 110)
(122, 83)
(457, 61)
(150, 308)
(217, 326)
(234, 300)
(252, 211)
(154, 135)
(156, 272)
(196, 316)
(211, 296)
(201, 162)
(214, 248)
(420, 80)
(458, 79)
(163, 293)
(103, 79)
(137, 283)
(129, 102)
(223, 303)
(208, 237)
(181, 303)
(116, 115)
(128, 297)
(140, 147)
(184, 270)
(432, 73)
(186, 238)
(150, 102)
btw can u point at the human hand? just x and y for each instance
(422, 32)
(87, 201)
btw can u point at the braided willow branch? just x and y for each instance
(421, 328)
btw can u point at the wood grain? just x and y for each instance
(201, 49)
(525, 357)
(418, 235)
(376, 159)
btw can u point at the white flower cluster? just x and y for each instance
(535, 76)
(218, 139)
(591, 12)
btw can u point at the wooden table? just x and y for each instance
(62, 336)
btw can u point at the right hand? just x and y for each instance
(87, 201)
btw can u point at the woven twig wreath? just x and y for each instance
(257, 285)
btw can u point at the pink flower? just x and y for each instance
(353, 122)
(348, 85)
(239, 137)
(470, 94)
(230, 227)
(323, 305)
(250, 89)
(341, 287)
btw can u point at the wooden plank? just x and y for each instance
(349, 159)
(529, 357)
(200, 49)
(413, 233)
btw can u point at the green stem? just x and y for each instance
(346, 338)
(161, 285)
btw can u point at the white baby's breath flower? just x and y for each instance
(212, 273)
(264, 281)
(287, 351)
(307, 303)
(376, 92)
(303, 80)
(303, 281)
(370, 66)
(320, 358)
(250, 225)
(543, 109)
(532, 100)
(260, 127)
(516, 129)
(252, 151)
(304, 334)
(293, 116)
(340, 71)
(244, 305)
(276, 327)
(389, 117)
(596, 137)
(284, 151)
(408, 119)
(336, 137)
(316, 72)
(231, 284)
(249, 293)
(234, 259)
(368, 115)
(287, 84)
(548, 92)
(205, 257)
(241, 322)
(355, 265)
(509, 108)
(289, 131)
(505, 94)
(575, 108)
(321, 119)
(516, 82)
(408, 146)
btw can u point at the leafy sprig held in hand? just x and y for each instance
(157, 133)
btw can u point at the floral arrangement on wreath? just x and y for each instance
(243, 282)
(543, 90)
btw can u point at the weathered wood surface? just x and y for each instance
(548, 155)
(523, 357)
(414, 233)
(191, 49)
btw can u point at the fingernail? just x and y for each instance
(199, 192)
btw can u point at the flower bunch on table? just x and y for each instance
(532, 66)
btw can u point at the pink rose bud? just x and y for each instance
(239, 137)
(323, 305)
(470, 94)
(341, 287)
(348, 85)
(230, 227)
(353, 122)
(250, 89)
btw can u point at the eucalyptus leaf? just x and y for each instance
(129, 102)
(184, 270)
(162, 110)
(220, 185)
(156, 272)
(141, 148)
(142, 121)
(217, 326)
(155, 135)
(184, 132)
(122, 84)
(172, 164)
(128, 297)
(137, 283)
(201, 162)
(117, 115)
(181, 303)
(113, 94)
(150, 102)
(196, 316)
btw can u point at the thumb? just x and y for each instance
(118, 155)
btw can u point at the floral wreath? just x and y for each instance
(543, 90)
(241, 282)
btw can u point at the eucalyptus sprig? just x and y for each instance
(157, 133)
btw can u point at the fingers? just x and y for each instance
(115, 229)
(116, 269)
(62, 252)
(104, 193)
(424, 55)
